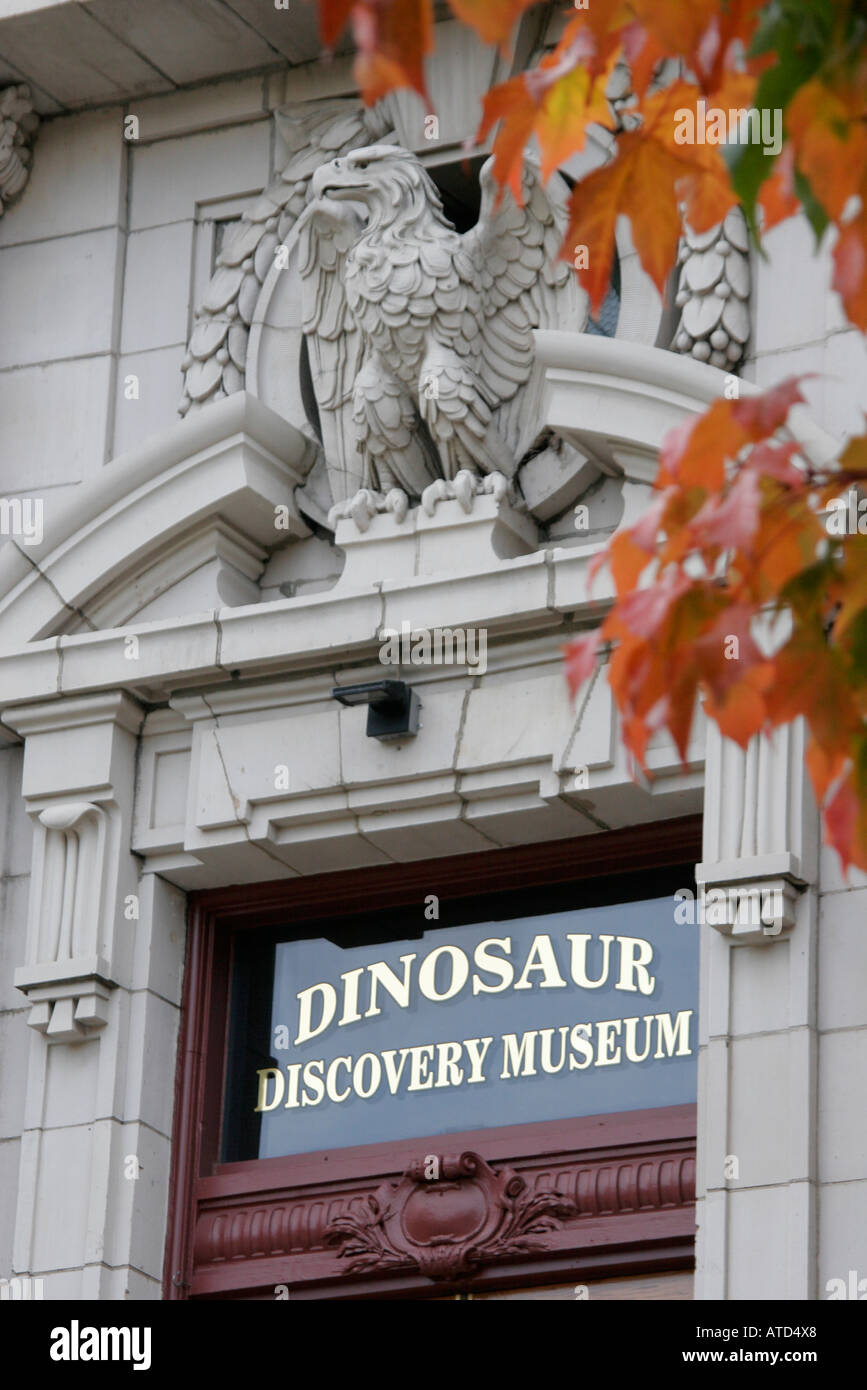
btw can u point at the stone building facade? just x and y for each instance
(190, 566)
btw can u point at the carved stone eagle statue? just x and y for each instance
(420, 338)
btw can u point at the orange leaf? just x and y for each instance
(509, 104)
(730, 28)
(676, 26)
(730, 522)
(830, 138)
(333, 15)
(393, 38)
(823, 767)
(556, 101)
(573, 103)
(627, 561)
(493, 20)
(652, 173)
(759, 416)
(850, 269)
(777, 197)
(643, 53)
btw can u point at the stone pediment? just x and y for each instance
(182, 524)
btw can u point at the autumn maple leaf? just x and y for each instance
(556, 102)
(648, 180)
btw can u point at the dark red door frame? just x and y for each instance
(241, 1229)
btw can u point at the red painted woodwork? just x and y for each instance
(612, 1194)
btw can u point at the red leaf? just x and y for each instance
(581, 659)
(850, 270)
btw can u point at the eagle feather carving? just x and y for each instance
(420, 338)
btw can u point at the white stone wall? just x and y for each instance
(800, 327)
(841, 1118)
(101, 265)
(15, 854)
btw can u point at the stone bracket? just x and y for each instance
(750, 911)
(67, 1011)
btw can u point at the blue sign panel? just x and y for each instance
(572, 1013)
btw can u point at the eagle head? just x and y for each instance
(385, 179)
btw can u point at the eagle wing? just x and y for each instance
(514, 252)
(369, 424)
(327, 232)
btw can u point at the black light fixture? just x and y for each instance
(392, 707)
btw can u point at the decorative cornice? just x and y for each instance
(108, 707)
(18, 126)
(616, 1182)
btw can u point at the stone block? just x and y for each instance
(831, 876)
(237, 765)
(15, 1039)
(160, 939)
(203, 108)
(842, 1138)
(513, 717)
(171, 177)
(842, 1221)
(10, 1151)
(14, 894)
(845, 383)
(527, 819)
(156, 288)
(759, 1265)
(135, 1230)
(71, 1076)
(77, 179)
(423, 833)
(152, 1025)
(55, 418)
(842, 959)
(64, 1171)
(58, 298)
(783, 320)
(762, 1125)
(16, 831)
(760, 989)
(148, 389)
(433, 749)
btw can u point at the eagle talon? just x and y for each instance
(464, 488)
(498, 485)
(435, 492)
(365, 505)
(397, 503)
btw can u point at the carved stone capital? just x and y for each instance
(68, 978)
(446, 1216)
(18, 126)
(760, 835)
(83, 881)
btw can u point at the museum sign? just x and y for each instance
(588, 1011)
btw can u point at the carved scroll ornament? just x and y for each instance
(445, 1217)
